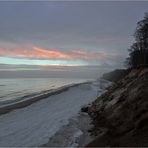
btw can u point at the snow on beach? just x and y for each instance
(35, 124)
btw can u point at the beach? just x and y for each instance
(37, 123)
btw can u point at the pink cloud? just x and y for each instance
(52, 53)
(40, 53)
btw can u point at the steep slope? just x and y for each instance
(120, 116)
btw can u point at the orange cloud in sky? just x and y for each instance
(40, 53)
(52, 53)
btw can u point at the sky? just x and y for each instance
(81, 39)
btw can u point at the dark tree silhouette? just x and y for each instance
(141, 34)
(138, 52)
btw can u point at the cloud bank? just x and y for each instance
(41, 53)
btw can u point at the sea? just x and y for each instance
(13, 90)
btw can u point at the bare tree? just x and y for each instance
(141, 33)
(138, 52)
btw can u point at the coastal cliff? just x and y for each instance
(120, 116)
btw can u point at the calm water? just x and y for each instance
(12, 90)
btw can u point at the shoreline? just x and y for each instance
(24, 103)
(35, 124)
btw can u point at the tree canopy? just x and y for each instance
(138, 52)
